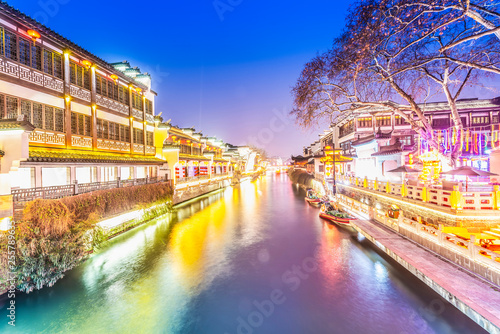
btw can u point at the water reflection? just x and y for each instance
(203, 270)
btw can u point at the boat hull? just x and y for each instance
(313, 202)
(336, 220)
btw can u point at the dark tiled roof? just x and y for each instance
(12, 124)
(370, 138)
(43, 155)
(193, 157)
(389, 150)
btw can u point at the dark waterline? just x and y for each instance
(252, 259)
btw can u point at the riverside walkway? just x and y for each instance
(474, 296)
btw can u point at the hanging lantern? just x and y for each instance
(34, 35)
(86, 63)
(114, 77)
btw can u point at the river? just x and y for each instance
(254, 258)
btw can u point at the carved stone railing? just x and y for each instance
(137, 114)
(138, 148)
(112, 104)
(26, 195)
(113, 145)
(80, 93)
(47, 137)
(81, 141)
(30, 75)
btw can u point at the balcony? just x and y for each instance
(105, 102)
(30, 75)
(113, 145)
(47, 137)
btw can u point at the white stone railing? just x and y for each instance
(408, 227)
(452, 199)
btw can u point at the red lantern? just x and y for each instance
(34, 35)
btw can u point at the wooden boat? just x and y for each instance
(329, 213)
(312, 198)
(313, 201)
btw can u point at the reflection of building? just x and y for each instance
(68, 116)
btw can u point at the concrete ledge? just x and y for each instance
(475, 297)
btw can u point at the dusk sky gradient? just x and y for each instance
(228, 77)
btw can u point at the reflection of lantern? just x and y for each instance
(34, 35)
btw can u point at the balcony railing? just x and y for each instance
(194, 179)
(26, 195)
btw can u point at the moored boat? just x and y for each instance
(331, 214)
(312, 198)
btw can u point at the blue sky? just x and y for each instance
(225, 67)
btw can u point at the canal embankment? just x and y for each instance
(477, 298)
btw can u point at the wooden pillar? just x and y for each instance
(93, 106)
(131, 118)
(67, 97)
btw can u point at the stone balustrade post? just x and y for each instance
(75, 188)
(365, 183)
(472, 247)
(357, 181)
(388, 187)
(496, 197)
(118, 182)
(375, 184)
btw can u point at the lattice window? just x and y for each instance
(2, 102)
(105, 129)
(49, 118)
(149, 138)
(24, 52)
(87, 126)
(104, 87)
(2, 36)
(86, 78)
(79, 75)
(48, 65)
(74, 123)
(36, 57)
(138, 136)
(98, 84)
(149, 107)
(26, 110)
(81, 124)
(127, 134)
(11, 107)
(110, 89)
(99, 128)
(72, 73)
(122, 133)
(10, 45)
(111, 126)
(57, 58)
(59, 123)
(38, 115)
